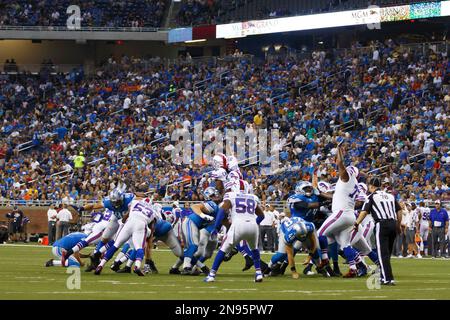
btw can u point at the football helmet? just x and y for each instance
(116, 197)
(304, 188)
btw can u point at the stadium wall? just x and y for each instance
(38, 217)
(70, 52)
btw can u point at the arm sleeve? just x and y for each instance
(367, 206)
(219, 218)
(300, 204)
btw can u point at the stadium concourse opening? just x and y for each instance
(98, 99)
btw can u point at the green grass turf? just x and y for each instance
(23, 276)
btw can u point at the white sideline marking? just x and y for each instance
(77, 292)
(240, 289)
(371, 297)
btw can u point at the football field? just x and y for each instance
(23, 276)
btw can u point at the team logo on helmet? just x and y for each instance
(300, 231)
(324, 187)
(210, 193)
(352, 170)
(116, 197)
(362, 187)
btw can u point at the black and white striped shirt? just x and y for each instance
(382, 206)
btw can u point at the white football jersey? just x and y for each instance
(425, 215)
(234, 175)
(143, 210)
(219, 174)
(243, 205)
(345, 195)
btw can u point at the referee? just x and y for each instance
(387, 213)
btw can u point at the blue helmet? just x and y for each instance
(301, 186)
(209, 193)
(116, 197)
(300, 230)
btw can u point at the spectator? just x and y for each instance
(15, 217)
(78, 161)
(267, 228)
(52, 218)
(411, 229)
(64, 216)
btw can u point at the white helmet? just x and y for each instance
(234, 175)
(220, 161)
(232, 185)
(353, 171)
(362, 187)
(324, 187)
(168, 216)
(233, 164)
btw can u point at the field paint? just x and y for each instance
(371, 297)
(240, 289)
(77, 292)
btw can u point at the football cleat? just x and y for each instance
(49, 263)
(308, 268)
(152, 265)
(336, 270)
(138, 271)
(324, 271)
(126, 269)
(174, 271)
(283, 267)
(259, 277)
(230, 255)
(116, 266)
(209, 278)
(186, 271)
(362, 271)
(248, 263)
(196, 272)
(264, 266)
(90, 268)
(205, 270)
(98, 270)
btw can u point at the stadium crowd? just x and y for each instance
(98, 13)
(390, 103)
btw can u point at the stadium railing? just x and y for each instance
(35, 69)
(82, 29)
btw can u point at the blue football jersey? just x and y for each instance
(289, 233)
(119, 212)
(212, 209)
(162, 227)
(304, 213)
(69, 241)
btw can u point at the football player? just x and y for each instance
(339, 225)
(244, 226)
